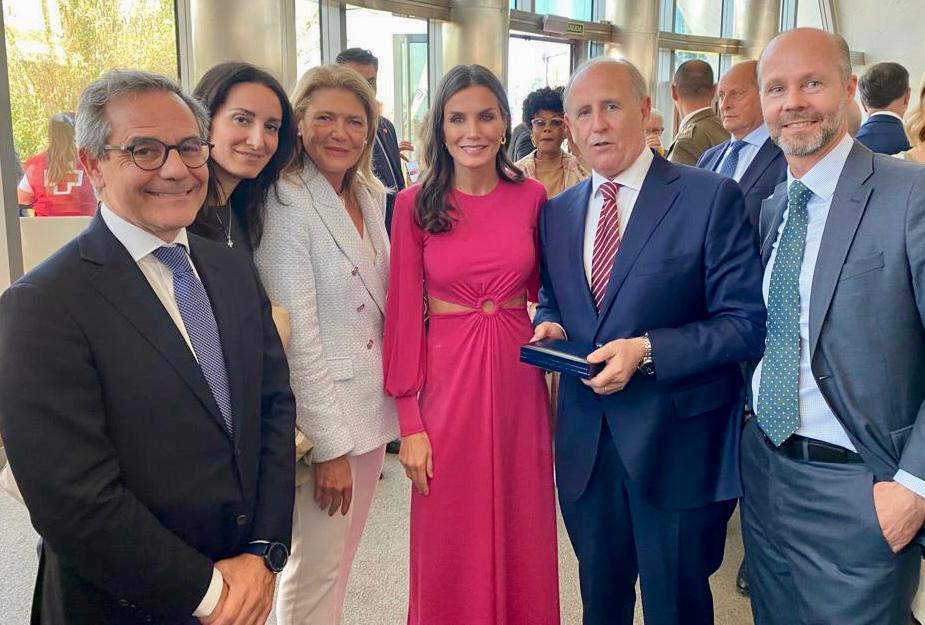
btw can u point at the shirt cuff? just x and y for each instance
(213, 594)
(913, 483)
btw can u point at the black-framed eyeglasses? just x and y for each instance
(151, 154)
(540, 124)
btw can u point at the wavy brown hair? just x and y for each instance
(62, 151)
(434, 212)
(346, 79)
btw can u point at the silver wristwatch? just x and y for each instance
(646, 365)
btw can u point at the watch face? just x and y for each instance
(276, 557)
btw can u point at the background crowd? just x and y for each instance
(197, 393)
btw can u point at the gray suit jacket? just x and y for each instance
(314, 264)
(867, 310)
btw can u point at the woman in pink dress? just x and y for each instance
(474, 422)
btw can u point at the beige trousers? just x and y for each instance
(313, 584)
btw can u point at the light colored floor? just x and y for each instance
(378, 592)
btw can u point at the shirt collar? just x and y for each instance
(888, 113)
(756, 137)
(823, 177)
(687, 117)
(138, 242)
(632, 177)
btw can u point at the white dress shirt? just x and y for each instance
(630, 181)
(817, 420)
(888, 113)
(754, 140)
(139, 244)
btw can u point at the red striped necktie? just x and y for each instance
(606, 242)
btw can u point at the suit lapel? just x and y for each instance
(847, 209)
(122, 283)
(221, 286)
(772, 213)
(376, 280)
(717, 157)
(655, 199)
(759, 164)
(575, 240)
(331, 210)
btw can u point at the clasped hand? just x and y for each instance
(622, 357)
(247, 593)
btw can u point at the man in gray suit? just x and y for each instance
(834, 463)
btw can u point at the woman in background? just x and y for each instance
(915, 130)
(53, 183)
(474, 421)
(544, 114)
(253, 136)
(324, 257)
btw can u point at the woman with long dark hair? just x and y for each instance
(254, 137)
(474, 421)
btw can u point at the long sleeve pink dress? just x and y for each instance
(483, 542)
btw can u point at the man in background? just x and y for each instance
(885, 94)
(692, 90)
(387, 150)
(749, 157)
(655, 126)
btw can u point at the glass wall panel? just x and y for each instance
(809, 14)
(699, 17)
(574, 9)
(54, 49)
(535, 63)
(400, 44)
(307, 35)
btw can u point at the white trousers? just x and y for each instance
(313, 584)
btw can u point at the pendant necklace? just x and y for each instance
(225, 230)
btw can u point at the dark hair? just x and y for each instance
(693, 79)
(883, 83)
(433, 209)
(249, 197)
(545, 99)
(358, 56)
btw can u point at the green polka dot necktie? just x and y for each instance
(778, 406)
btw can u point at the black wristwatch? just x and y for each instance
(647, 365)
(275, 555)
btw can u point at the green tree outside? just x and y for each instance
(79, 41)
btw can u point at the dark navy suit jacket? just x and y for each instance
(766, 171)
(387, 165)
(884, 134)
(688, 273)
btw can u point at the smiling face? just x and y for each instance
(547, 129)
(804, 96)
(473, 126)
(245, 132)
(162, 201)
(607, 118)
(334, 129)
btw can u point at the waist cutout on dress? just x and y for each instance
(487, 305)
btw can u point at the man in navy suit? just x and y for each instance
(885, 94)
(656, 264)
(750, 157)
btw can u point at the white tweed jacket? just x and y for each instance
(314, 263)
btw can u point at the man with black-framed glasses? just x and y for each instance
(144, 394)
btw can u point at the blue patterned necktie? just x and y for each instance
(778, 406)
(196, 312)
(728, 168)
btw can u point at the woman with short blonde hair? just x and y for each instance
(915, 129)
(324, 257)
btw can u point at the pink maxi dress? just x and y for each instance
(483, 542)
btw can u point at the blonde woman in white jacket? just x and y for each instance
(324, 257)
